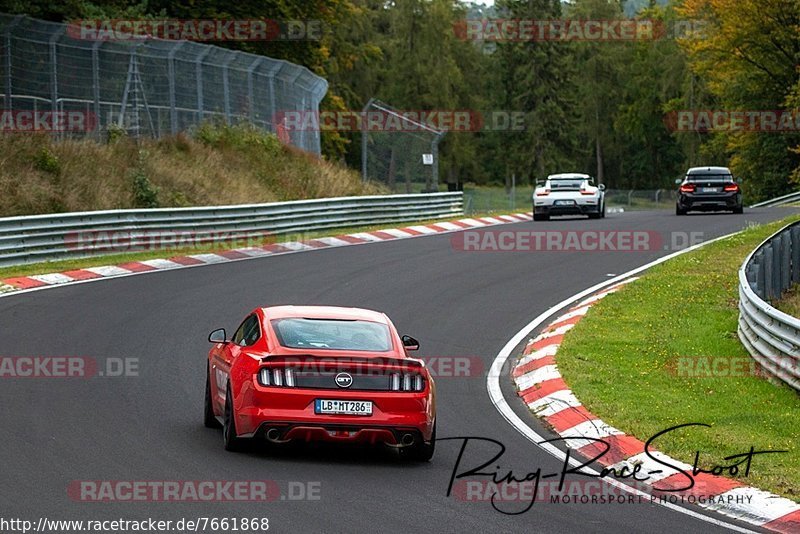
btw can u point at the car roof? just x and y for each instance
(569, 176)
(324, 312)
(709, 170)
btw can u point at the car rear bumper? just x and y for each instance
(291, 411)
(729, 201)
(574, 209)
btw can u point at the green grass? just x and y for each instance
(790, 302)
(621, 361)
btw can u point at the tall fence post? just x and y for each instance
(9, 100)
(96, 83)
(435, 166)
(251, 103)
(364, 141)
(52, 42)
(173, 111)
(198, 72)
(226, 90)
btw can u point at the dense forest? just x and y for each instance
(602, 106)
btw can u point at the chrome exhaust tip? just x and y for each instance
(407, 439)
(273, 434)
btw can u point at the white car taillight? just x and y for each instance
(406, 382)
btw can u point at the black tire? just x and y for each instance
(594, 215)
(209, 419)
(603, 211)
(679, 211)
(739, 210)
(540, 217)
(231, 441)
(421, 452)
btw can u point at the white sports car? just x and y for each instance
(569, 194)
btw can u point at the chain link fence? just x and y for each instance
(398, 151)
(149, 87)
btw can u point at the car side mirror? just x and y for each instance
(678, 181)
(218, 336)
(410, 343)
(601, 187)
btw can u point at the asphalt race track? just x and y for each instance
(149, 427)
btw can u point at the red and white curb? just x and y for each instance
(542, 388)
(40, 281)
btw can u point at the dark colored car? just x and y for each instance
(708, 189)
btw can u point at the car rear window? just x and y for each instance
(332, 334)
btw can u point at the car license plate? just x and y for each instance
(708, 189)
(564, 203)
(342, 407)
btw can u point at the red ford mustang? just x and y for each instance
(320, 373)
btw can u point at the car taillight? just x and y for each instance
(585, 192)
(276, 377)
(406, 382)
(731, 187)
(687, 188)
(543, 193)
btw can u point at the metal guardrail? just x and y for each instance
(771, 337)
(36, 238)
(778, 201)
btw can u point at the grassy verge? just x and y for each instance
(624, 362)
(217, 165)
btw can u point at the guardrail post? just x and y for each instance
(786, 262)
(769, 292)
(795, 233)
(758, 265)
(777, 254)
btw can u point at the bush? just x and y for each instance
(46, 161)
(145, 194)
